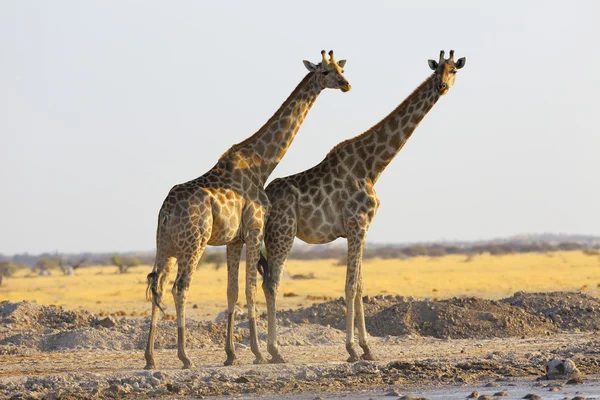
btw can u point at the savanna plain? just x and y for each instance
(451, 322)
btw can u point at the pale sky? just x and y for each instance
(104, 106)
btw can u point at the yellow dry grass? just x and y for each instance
(102, 289)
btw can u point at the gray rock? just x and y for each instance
(107, 322)
(561, 368)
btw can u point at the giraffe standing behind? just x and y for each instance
(336, 199)
(227, 206)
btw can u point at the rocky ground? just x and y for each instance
(48, 352)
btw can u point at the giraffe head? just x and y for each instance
(445, 70)
(329, 72)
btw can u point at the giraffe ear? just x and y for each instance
(460, 63)
(310, 66)
(341, 63)
(432, 64)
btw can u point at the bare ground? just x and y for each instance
(48, 352)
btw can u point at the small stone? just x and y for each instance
(491, 384)
(485, 397)
(559, 368)
(578, 380)
(555, 389)
(158, 375)
(473, 395)
(532, 396)
(578, 398)
(107, 322)
(393, 392)
(242, 379)
(500, 394)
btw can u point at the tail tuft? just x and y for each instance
(152, 290)
(263, 267)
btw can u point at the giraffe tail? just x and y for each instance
(263, 267)
(152, 292)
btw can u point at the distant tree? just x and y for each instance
(415, 251)
(342, 261)
(68, 267)
(8, 268)
(45, 264)
(436, 251)
(214, 257)
(124, 263)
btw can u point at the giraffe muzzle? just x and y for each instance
(442, 88)
(346, 88)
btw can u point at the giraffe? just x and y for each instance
(227, 206)
(336, 199)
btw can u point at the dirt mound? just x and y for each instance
(453, 318)
(26, 327)
(199, 334)
(567, 310)
(26, 314)
(457, 318)
(333, 313)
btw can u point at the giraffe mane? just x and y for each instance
(383, 121)
(241, 144)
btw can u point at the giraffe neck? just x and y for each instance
(258, 155)
(367, 155)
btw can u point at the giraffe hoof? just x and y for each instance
(367, 356)
(276, 359)
(353, 358)
(150, 366)
(231, 361)
(260, 360)
(188, 365)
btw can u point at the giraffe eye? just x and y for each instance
(325, 73)
(453, 71)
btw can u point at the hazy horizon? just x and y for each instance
(106, 106)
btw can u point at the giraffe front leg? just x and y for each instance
(360, 319)
(253, 241)
(350, 296)
(234, 250)
(356, 229)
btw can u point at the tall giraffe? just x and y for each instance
(336, 199)
(227, 206)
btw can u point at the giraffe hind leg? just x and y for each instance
(156, 286)
(253, 242)
(278, 249)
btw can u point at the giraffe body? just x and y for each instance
(227, 206)
(337, 199)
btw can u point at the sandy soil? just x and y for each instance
(49, 352)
